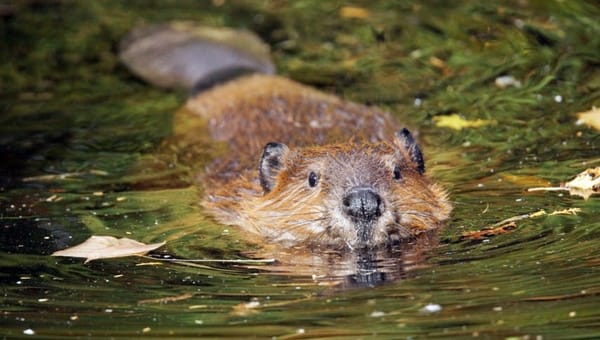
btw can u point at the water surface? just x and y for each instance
(87, 149)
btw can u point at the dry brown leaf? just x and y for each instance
(591, 118)
(103, 247)
(585, 184)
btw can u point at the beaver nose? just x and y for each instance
(362, 203)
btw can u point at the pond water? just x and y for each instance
(87, 150)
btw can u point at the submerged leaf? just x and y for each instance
(456, 122)
(103, 247)
(525, 180)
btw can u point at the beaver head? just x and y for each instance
(350, 194)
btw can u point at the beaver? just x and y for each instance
(302, 167)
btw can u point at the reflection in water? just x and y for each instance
(372, 270)
(366, 267)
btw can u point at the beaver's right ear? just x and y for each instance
(270, 164)
(405, 140)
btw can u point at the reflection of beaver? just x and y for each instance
(337, 176)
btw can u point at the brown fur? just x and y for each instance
(347, 144)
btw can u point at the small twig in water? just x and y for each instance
(242, 261)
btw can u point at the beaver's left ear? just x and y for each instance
(406, 141)
(270, 164)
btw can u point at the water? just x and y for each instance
(68, 107)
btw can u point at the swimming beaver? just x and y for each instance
(303, 167)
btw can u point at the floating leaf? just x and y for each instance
(585, 184)
(456, 122)
(591, 118)
(103, 247)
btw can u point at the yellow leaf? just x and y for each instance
(440, 64)
(591, 118)
(103, 247)
(569, 211)
(456, 122)
(437, 62)
(351, 12)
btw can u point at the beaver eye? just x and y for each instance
(312, 179)
(397, 174)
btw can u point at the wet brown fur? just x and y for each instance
(346, 143)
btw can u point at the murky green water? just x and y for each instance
(86, 151)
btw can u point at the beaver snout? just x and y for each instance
(362, 203)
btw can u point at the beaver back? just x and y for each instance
(254, 110)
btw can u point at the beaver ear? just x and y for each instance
(405, 140)
(270, 164)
